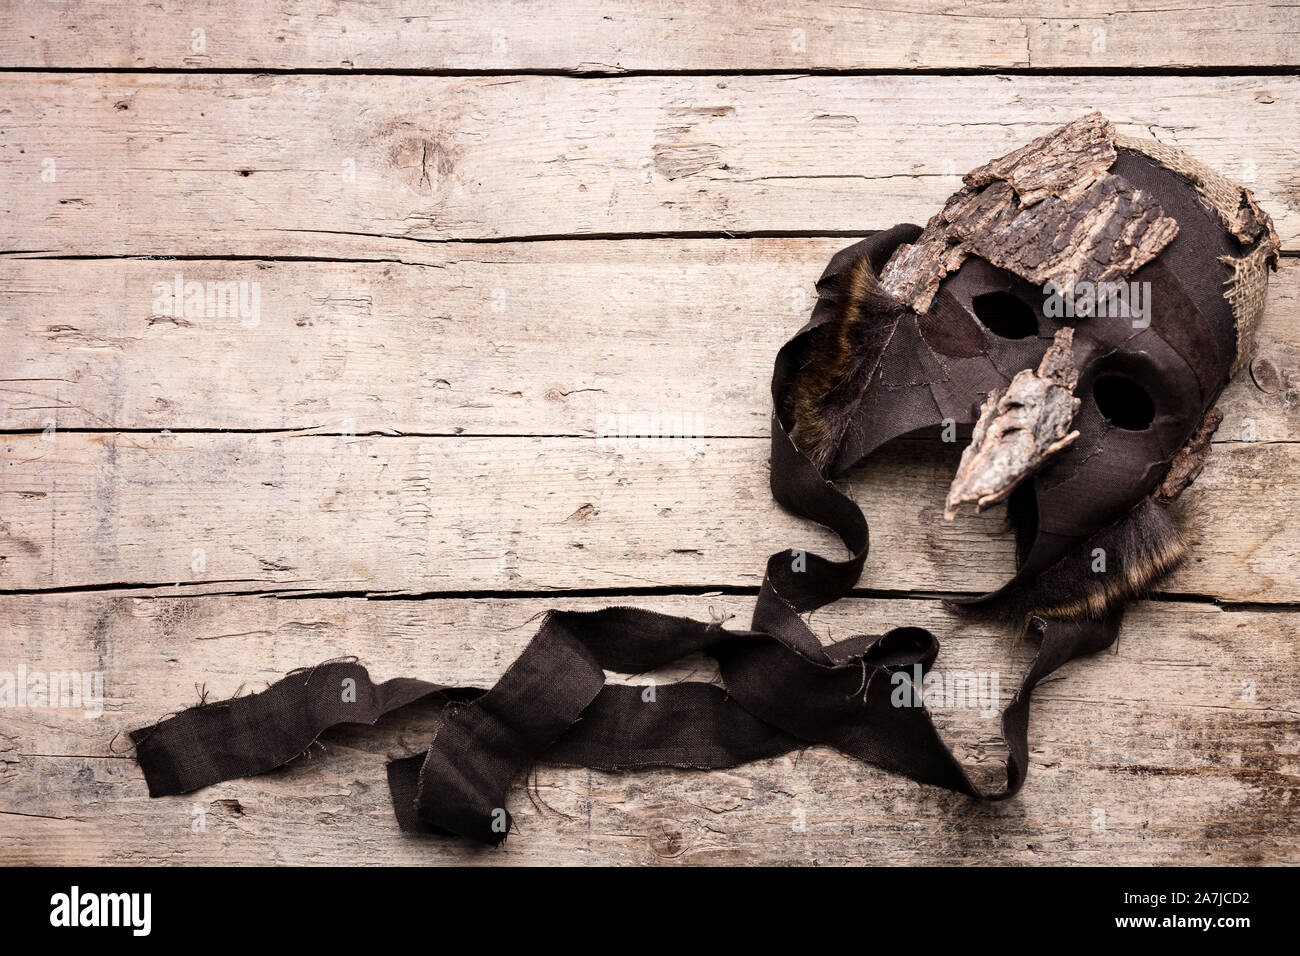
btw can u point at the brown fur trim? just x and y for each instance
(841, 360)
(1138, 550)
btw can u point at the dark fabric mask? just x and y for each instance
(1087, 425)
(1082, 209)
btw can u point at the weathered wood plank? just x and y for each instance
(316, 513)
(1194, 759)
(496, 339)
(359, 166)
(617, 35)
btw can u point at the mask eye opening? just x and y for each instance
(1123, 402)
(1005, 315)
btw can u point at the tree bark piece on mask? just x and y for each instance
(1019, 428)
(1049, 212)
(1063, 163)
(1235, 205)
(1189, 461)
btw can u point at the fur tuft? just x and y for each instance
(1139, 550)
(841, 360)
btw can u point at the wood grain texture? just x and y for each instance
(1185, 767)
(610, 36)
(373, 514)
(547, 338)
(424, 411)
(364, 167)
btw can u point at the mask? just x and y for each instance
(1080, 303)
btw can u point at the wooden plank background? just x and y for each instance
(476, 247)
(614, 36)
(265, 165)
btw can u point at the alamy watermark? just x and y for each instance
(39, 690)
(948, 689)
(1125, 300)
(130, 910)
(179, 299)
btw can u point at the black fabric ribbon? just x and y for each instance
(784, 689)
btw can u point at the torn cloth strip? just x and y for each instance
(783, 688)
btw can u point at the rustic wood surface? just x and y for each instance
(438, 515)
(478, 250)
(543, 338)
(341, 166)
(1145, 755)
(612, 36)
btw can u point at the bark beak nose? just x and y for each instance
(1019, 428)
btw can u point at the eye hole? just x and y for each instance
(1005, 316)
(1124, 402)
